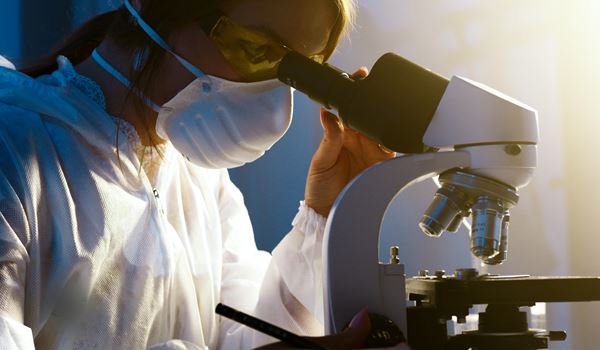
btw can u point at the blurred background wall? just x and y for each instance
(545, 53)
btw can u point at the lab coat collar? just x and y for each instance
(59, 101)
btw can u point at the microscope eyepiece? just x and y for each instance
(394, 105)
(325, 84)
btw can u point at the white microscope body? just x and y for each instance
(487, 151)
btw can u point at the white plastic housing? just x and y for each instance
(472, 113)
(494, 162)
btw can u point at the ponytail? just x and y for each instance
(76, 47)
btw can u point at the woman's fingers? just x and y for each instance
(374, 149)
(331, 144)
(350, 338)
(353, 336)
(360, 72)
(335, 136)
(364, 150)
(355, 141)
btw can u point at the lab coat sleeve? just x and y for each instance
(285, 289)
(14, 258)
(6, 63)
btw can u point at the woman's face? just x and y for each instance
(303, 25)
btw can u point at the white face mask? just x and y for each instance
(213, 122)
(229, 126)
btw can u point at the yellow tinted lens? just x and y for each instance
(253, 55)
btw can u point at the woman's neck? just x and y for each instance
(119, 101)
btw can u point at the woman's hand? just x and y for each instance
(342, 154)
(351, 338)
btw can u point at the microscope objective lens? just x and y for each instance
(486, 229)
(444, 213)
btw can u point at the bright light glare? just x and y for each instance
(539, 309)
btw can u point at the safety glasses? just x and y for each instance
(252, 54)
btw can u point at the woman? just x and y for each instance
(119, 226)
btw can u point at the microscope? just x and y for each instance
(482, 146)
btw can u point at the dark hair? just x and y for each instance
(77, 46)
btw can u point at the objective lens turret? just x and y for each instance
(488, 203)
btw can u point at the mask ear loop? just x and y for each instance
(206, 85)
(123, 80)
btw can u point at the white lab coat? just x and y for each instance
(91, 259)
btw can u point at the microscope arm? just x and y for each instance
(354, 277)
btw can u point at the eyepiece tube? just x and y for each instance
(323, 83)
(393, 105)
